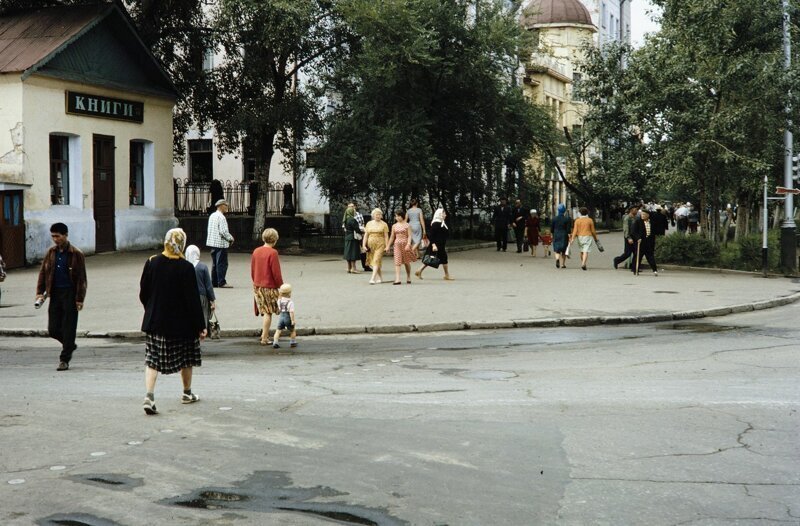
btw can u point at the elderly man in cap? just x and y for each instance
(219, 239)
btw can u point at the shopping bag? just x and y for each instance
(214, 329)
(431, 260)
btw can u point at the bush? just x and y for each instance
(689, 250)
(749, 251)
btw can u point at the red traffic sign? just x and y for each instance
(782, 190)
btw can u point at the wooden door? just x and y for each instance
(12, 228)
(103, 177)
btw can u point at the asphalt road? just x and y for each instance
(691, 423)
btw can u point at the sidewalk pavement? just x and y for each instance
(491, 290)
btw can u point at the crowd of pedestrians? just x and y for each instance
(177, 289)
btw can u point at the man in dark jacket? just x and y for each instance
(62, 278)
(644, 240)
(519, 214)
(659, 221)
(501, 218)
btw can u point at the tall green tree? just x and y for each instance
(426, 104)
(708, 90)
(255, 96)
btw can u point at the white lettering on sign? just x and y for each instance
(105, 107)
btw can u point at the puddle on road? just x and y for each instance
(697, 327)
(75, 519)
(271, 491)
(109, 480)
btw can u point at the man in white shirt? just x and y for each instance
(218, 240)
(682, 218)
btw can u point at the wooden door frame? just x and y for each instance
(112, 140)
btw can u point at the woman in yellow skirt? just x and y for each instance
(376, 239)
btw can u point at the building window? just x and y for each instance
(603, 15)
(59, 169)
(612, 26)
(201, 161)
(208, 59)
(136, 186)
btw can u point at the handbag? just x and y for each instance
(599, 246)
(213, 327)
(566, 252)
(525, 246)
(431, 260)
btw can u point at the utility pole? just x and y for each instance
(788, 227)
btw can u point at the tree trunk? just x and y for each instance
(264, 155)
(743, 216)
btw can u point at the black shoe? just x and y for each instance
(367, 269)
(558, 264)
(149, 407)
(583, 267)
(615, 264)
(62, 366)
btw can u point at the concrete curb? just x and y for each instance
(537, 323)
(717, 270)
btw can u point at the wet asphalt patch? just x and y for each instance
(273, 491)
(75, 519)
(109, 481)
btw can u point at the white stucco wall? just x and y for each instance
(43, 113)
(12, 131)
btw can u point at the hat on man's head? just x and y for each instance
(221, 202)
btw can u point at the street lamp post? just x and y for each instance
(788, 227)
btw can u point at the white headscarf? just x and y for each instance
(437, 217)
(192, 255)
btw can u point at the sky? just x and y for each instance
(640, 21)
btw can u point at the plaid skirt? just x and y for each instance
(266, 300)
(167, 354)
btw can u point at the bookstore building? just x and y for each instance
(85, 133)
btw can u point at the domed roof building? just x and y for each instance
(556, 13)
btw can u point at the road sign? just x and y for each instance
(782, 190)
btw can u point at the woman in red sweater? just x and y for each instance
(265, 269)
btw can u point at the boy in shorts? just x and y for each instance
(285, 316)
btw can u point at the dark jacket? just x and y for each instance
(522, 213)
(438, 235)
(168, 291)
(204, 286)
(639, 232)
(659, 222)
(501, 216)
(76, 262)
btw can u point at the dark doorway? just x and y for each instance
(12, 229)
(103, 169)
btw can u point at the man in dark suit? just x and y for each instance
(501, 217)
(644, 240)
(659, 221)
(519, 215)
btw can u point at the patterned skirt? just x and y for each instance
(169, 354)
(266, 300)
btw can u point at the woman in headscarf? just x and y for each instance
(562, 226)
(532, 231)
(352, 246)
(204, 287)
(174, 322)
(437, 235)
